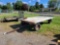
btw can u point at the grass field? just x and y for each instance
(53, 28)
(2, 15)
(29, 14)
(46, 29)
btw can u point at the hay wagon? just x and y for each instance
(35, 22)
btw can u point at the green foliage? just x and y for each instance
(9, 6)
(57, 10)
(24, 7)
(41, 6)
(32, 8)
(37, 5)
(0, 6)
(4, 7)
(17, 5)
(58, 3)
(52, 3)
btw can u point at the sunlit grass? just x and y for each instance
(2, 15)
(54, 27)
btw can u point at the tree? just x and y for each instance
(37, 5)
(32, 8)
(9, 6)
(58, 4)
(52, 3)
(24, 7)
(0, 6)
(41, 6)
(17, 5)
(4, 7)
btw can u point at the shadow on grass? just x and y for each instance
(57, 36)
(22, 28)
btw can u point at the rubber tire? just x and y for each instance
(37, 27)
(49, 21)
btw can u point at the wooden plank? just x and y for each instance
(37, 19)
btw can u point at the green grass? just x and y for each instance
(2, 15)
(53, 28)
(30, 14)
(26, 14)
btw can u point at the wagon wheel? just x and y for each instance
(37, 27)
(49, 21)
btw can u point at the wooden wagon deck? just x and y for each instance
(37, 19)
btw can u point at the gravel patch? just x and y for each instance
(24, 39)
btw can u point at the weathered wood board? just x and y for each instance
(37, 19)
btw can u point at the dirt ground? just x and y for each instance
(24, 38)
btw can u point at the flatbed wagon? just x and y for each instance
(35, 21)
